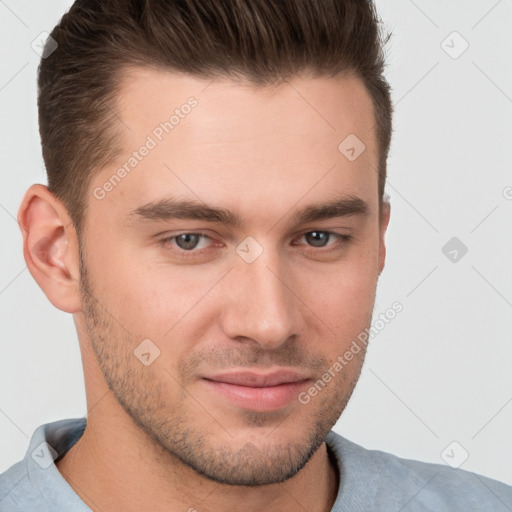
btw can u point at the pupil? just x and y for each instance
(317, 238)
(187, 241)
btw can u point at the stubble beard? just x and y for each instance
(172, 430)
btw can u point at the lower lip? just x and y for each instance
(258, 399)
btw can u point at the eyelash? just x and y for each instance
(165, 242)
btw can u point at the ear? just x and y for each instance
(383, 225)
(50, 247)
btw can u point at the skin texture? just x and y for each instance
(158, 437)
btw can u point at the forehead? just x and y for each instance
(235, 143)
(148, 95)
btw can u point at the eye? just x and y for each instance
(322, 238)
(195, 243)
(187, 241)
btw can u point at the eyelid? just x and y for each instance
(165, 241)
(169, 238)
(342, 237)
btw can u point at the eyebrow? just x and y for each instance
(169, 209)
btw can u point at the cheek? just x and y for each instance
(343, 296)
(161, 303)
(126, 288)
(346, 308)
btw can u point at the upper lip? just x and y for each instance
(258, 379)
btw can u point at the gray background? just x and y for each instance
(440, 371)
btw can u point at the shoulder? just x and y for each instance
(34, 482)
(13, 484)
(387, 480)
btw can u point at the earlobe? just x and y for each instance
(50, 247)
(383, 225)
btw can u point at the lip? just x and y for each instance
(258, 391)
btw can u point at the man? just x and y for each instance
(215, 222)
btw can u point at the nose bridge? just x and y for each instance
(263, 307)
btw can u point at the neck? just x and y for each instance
(116, 466)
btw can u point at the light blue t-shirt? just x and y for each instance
(370, 480)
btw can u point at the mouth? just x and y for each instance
(257, 391)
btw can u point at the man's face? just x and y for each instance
(216, 305)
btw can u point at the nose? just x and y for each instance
(261, 304)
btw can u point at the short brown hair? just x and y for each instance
(263, 41)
